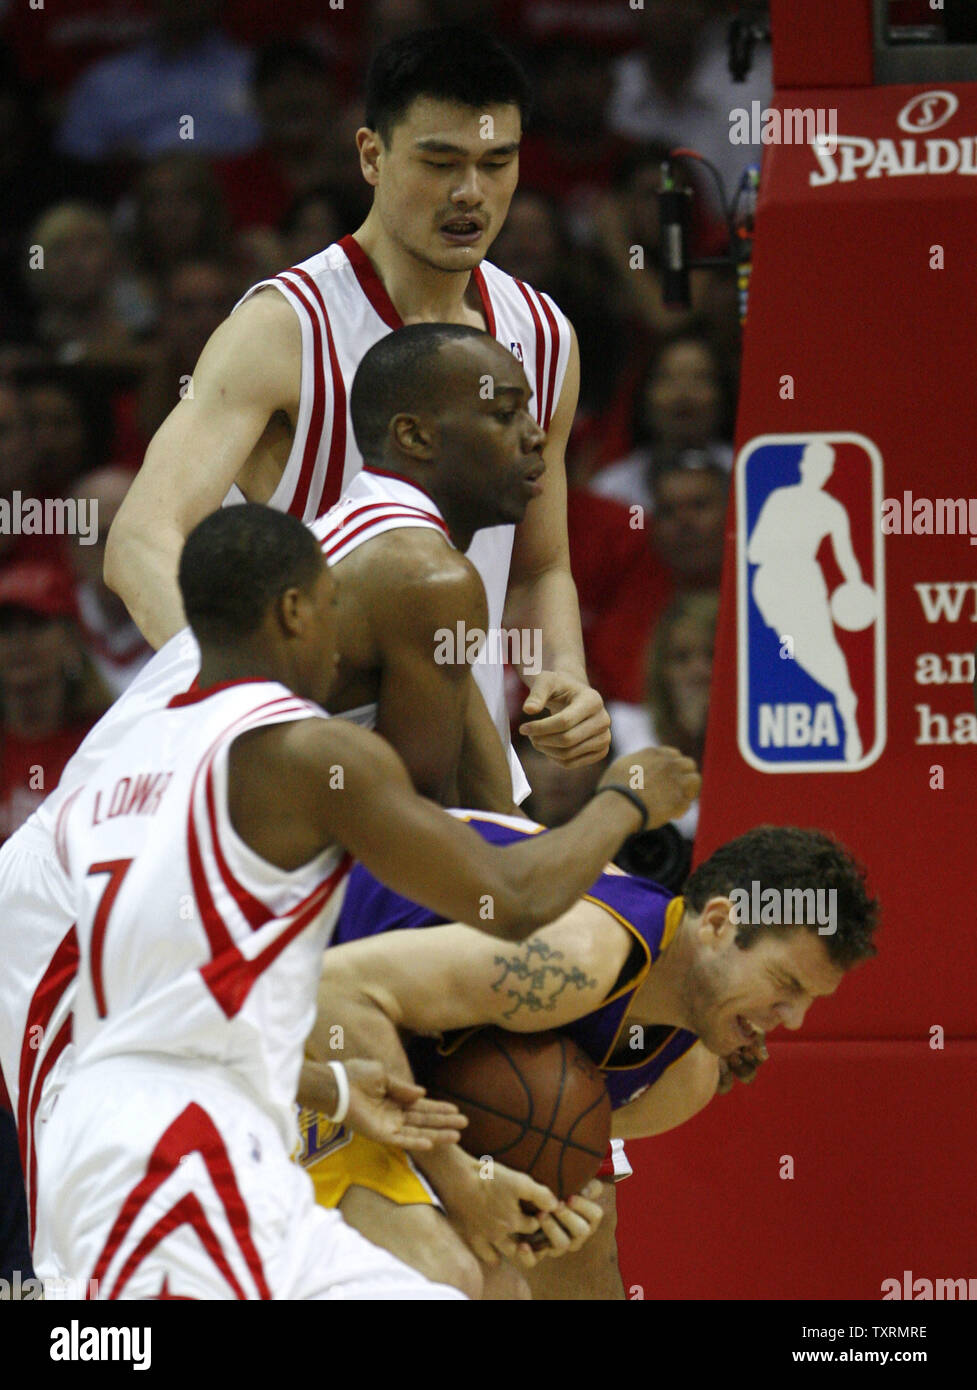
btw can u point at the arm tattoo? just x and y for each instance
(539, 981)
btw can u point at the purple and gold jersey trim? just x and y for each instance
(646, 910)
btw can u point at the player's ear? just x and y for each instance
(369, 145)
(718, 921)
(413, 436)
(291, 610)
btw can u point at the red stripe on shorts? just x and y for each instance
(193, 1131)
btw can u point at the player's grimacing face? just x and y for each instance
(445, 179)
(733, 991)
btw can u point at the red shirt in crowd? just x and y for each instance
(622, 590)
(30, 769)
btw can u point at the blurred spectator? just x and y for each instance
(390, 19)
(16, 454)
(677, 87)
(685, 554)
(53, 45)
(629, 235)
(676, 707)
(199, 294)
(76, 292)
(688, 524)
(609, 559)
(568, 151)
(137, 104)
(532, 22)
(115, 645)
(684, 407)
(298, 107)
(558, 793)
(177, 213)
(18, 479)
(313, 221)
(533, 245)
(30, 180)
(50, 693)
(71, 428)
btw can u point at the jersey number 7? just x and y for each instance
(116, 870)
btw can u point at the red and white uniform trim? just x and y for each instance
(374, 503)
(343, 308)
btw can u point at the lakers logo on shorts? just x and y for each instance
(336, 1160)
(318, 1137)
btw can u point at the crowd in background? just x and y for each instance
(157, 157)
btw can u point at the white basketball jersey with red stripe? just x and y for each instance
(191, 946)
(375, 503)
(38, 938)
(343, 309)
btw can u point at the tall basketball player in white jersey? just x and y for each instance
(269, 412)
(207, 857)
(442, 462)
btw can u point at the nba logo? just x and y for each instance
(810, 603)
(516, 350)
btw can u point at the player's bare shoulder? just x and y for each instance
(432, 580)
(262, 337)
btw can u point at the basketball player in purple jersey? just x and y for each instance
(656, 989)
(268, 417)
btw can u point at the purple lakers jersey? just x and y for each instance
(631, 1056)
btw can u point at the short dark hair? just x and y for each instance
(398, 373)
(451, 63)
(237, 562)
(785, 858)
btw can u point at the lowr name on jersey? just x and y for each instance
(133, 796)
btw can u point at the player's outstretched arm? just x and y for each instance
(348, 787)
(250, 368)
(440, 978)
(484, 779)
(421, 668)
(686, 1088)
(542, 602)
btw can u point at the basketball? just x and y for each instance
(534, 1101)
(853, 606)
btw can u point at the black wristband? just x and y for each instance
(632, 796)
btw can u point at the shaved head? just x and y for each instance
(403, 373)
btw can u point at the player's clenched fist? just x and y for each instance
(664, 780)
(497, 1209)
(572, 1223)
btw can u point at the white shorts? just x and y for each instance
(36, 996)
(163, 1182)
